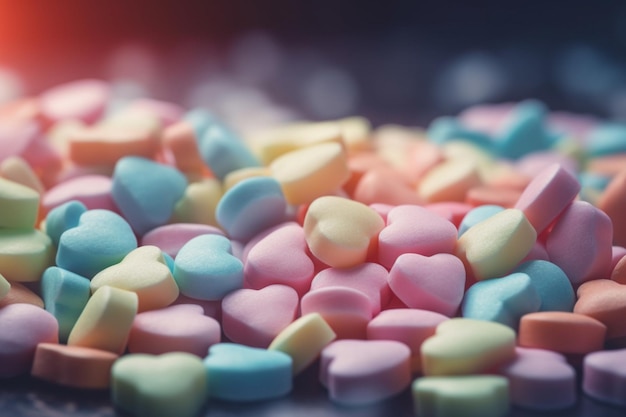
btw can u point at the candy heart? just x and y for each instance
(16, 169)
(178, 328)
(304, 340)
(138, 184)
(100, 239)
(346, 310)
(340, 232)
(19, 205)
(477, 215)
(540, 380)
(206, 269)
(414, 229)
(144, 272)
(171, 237)
(463, 346)
(357, 372)
(563, 332)
(199, 203)
(604, 300)
(222, 151)
(467, 396)
(449, 180)
(243, 373)
(24, 254)
(504, 300)
(62, 218)
(409, 326)
(551, 284)
(311, 172)
(524, 131)
(613, 203)
(65, 295)
(22, 328)
(604, 376)
(434, 283)
(549, 193)
(580, 243)
(105, 321)
(369, 278)
(94, 191)
(250, 207)
(173, 384)
(279, 256)
(73, 366)
(256, 317)
(511, 237)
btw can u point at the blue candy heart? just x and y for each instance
(504, 300)
(101, 239)
(242, 373)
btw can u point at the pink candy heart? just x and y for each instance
(433, 283)
(540, 380)
(414, 229)
(178, 328)
(22, 328)
(279, 256)
(365, 371)
(255, 317)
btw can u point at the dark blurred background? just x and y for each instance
(267, 61)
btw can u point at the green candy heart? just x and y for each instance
(172, 384)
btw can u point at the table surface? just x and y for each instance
(28, 397)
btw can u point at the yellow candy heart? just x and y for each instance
(144, 272)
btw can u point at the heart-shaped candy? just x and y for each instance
(144, 272)
(456, 396)
(604, 376)
(178, 328)
(171, 237)
(580, 243)
(303, 340)
(511, 237)
(20, 294)
(345, 309)
(138, 184)
(94, 191)
(340, 232)
(243, 373)
(63, 217)
(369, 278)
(551, 284)
(504, 300)
(106, 320)
(22, 328)
(256, 317)
(73, 366)
(414, 229)
(250, 207)
(463, 346)
(85, 100)
(604, 300)
(279, 256)
(206, 269)
(540, 380)
(407, 325)
(560, 331)
(434, 283)
(65, 295)
(24, 254)
(173, 384)
(360, 372)
(311, 172)
(19, 205)
(100, 239)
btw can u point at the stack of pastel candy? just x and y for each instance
(152, 251)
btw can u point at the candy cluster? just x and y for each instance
(152, 251)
